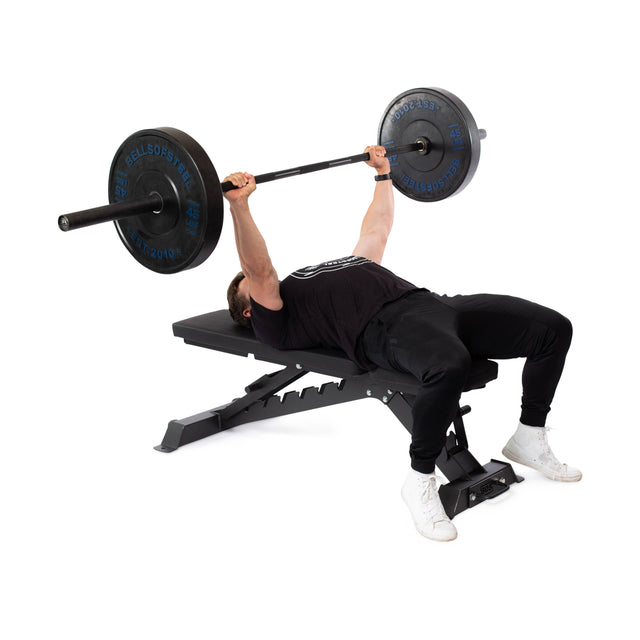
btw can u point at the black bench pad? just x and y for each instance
(216, 330)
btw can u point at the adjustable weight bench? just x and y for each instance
(470, 483)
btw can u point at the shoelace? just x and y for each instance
(548, 452)
(430, 500)
(547, 448)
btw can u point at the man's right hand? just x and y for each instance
(245, 185)
(378, 159)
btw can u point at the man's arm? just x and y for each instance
(261, 276)
(378, 221)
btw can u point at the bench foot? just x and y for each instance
(180, 432)
(462, 494)
(470, 483)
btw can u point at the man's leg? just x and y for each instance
(418, 335)
(497, 327)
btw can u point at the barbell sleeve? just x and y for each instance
(110, 212)
(327, 164)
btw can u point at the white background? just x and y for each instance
(294, 528)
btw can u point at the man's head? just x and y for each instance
(238, 299)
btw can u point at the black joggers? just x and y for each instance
(435, 337)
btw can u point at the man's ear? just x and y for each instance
(247, 313)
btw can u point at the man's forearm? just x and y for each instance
(379, 216)
(252, 249)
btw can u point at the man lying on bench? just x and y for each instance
(380, 320)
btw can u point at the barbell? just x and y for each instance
(166, 199)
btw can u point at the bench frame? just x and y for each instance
(470, 483)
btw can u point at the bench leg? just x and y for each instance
(181, 432)
(261, 402)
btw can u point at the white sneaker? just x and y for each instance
(420, 493)
(529, 446)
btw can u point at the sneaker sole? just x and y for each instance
(549, 474)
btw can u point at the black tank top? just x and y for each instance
(328, 305)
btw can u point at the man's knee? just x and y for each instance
(560, 330)
(451, 370)
(565, 329)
